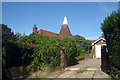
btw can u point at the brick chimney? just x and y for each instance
(35, 29)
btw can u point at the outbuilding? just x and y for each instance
(96, 47)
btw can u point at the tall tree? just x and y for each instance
(111, 29)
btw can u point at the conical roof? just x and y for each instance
(65, 32)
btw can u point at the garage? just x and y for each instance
(96, 47)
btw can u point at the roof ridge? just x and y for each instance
(98, 40)
(48, 31)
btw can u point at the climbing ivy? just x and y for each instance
(48, 53)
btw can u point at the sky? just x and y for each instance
(84, 18)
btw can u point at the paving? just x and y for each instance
(93, 67)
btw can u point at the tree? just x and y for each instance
(111, 29)
(82, 42)
(7, 34)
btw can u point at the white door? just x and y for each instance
(98, 50)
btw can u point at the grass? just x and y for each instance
(81, 71)
(93, 75)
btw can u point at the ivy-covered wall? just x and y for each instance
(48, 53)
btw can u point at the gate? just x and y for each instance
(104, 59)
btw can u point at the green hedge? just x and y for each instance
(111, 29)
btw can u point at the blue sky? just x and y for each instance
(84, 18)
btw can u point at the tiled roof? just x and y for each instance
(41, 31)
(65, 32)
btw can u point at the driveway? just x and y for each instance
(91, 69)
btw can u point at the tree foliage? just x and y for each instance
(86, 44)
(111, 29)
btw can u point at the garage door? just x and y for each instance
(98, 51)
